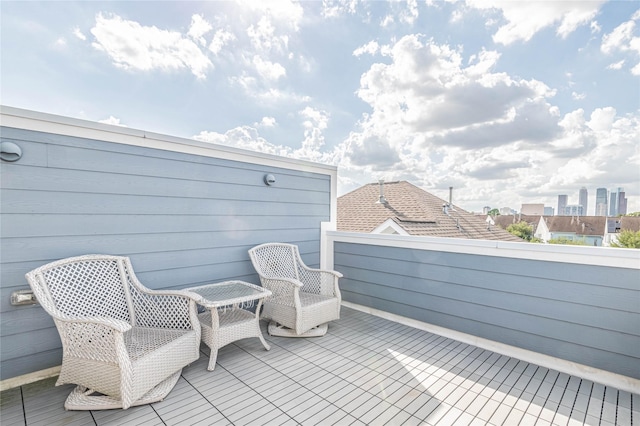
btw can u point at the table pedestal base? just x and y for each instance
(276, 329)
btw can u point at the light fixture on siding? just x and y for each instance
(9, 151)
(269, 179)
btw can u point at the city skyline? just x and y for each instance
(594, 209)
(590, 210)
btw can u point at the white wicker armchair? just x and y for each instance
(122, 343)
(303, 299)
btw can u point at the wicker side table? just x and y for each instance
(227, 317)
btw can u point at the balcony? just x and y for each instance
(379, 367)
(433, 331)
(366, 370)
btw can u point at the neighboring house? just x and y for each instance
(587, 229)
(615, 225)
(404, 209)
(503, 221)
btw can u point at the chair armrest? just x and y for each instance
(284, 291)
(173, 309)
(320, 281)
(97, 339)
(327, 271)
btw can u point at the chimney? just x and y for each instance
(450, 195)
(381, 199)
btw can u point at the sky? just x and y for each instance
(508, 102)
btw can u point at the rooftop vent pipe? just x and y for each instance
(450, 195)
(381, 199)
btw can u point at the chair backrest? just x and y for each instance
(85, 286)
(276, 260)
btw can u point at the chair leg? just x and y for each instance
(81, 398)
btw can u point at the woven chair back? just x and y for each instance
(84, 286)
(276, 260)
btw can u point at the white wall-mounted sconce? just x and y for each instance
(269, 179)
(9, 151)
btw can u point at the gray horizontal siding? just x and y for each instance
(183, 219)
(582, 313)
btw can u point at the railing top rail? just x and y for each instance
(601, 256)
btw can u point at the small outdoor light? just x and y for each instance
(9, 151)
(269, 179)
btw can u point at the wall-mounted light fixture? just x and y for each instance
(269, 179)
(9, 151)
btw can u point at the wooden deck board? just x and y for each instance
(365, 371)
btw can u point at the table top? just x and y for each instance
(228, 293)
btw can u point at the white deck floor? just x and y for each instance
(365, 371)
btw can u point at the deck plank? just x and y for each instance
(365, 371)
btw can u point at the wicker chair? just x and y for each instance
(122, 344)
(303, 300)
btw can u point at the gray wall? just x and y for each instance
(183, 219)
(582, 313)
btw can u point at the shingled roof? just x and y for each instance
(503, 221)
(583, 225)
(414, 210)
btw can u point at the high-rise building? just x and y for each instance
(622, 202)
(601, 202)
(618, 203)
(562, 203)
(613, 204)
(583, 199)
(573, 210)
(548, 211)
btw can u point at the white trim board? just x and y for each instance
(25, 379)
(604, 377)
(601, 256)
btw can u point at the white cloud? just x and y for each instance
(246, 137)
(314, 118)
(526, 18)
(427, 96)
(199, 27)
(370, 48)
(578, 96)
(79, 34)
(278, 18)
(133, 46)
(286, 13)
(266, 122)
(112, 120)
(315, 121)
(619, 39)
(337, 8)
(220, 39)
(616, 65)
(624, 39)
(268, 70)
